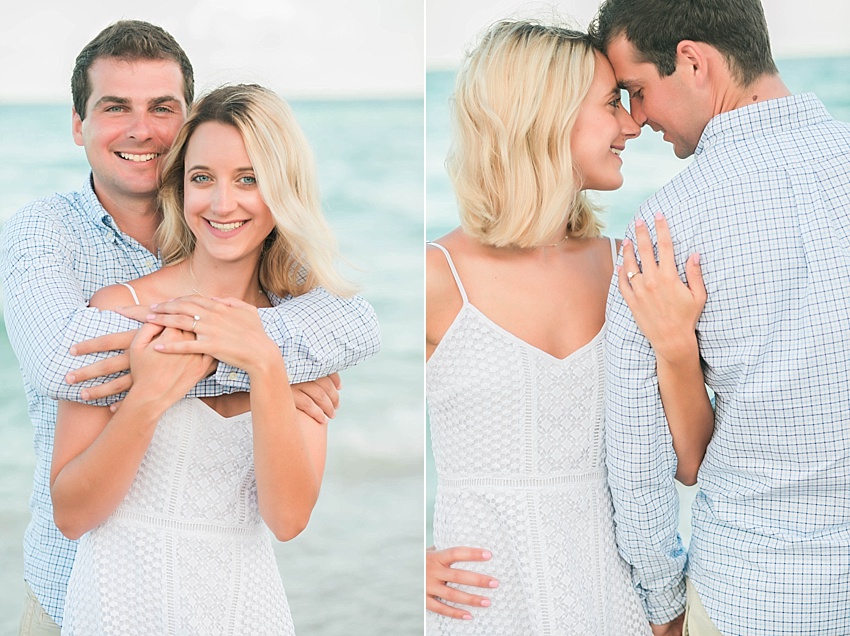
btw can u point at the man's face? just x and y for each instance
(667, 104)
(132, 116)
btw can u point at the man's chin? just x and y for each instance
(681, 152)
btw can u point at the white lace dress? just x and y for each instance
(518, 443)
(186, 552)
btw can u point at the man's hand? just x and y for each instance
(673, 628)
(438, 572)
(113, 364)
(318, 399)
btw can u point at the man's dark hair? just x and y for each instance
(129, 40)
(736, 28)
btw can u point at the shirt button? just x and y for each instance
(232, 376)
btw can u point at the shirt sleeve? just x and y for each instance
(45, 306)
(46, 313)
(318, 334)
(642, 464)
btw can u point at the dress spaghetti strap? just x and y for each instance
(133, 292)
(613, 250)
(454, 271)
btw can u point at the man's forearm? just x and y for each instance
(318, 334)
(641, 468)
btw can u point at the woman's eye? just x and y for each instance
(199, 178)
(246, 180)
(615, 103)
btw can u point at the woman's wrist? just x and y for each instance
(678, 351)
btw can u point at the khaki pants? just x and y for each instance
(697, 622)
(36, 622)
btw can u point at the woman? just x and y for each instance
(515, 339)
(171, 495)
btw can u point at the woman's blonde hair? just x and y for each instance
(515, 103)
(300, 251)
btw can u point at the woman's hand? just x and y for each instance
(439, 572)
(227, 329)
(665, 309)
(162, 378)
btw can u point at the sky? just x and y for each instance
(300, 48)
(324, 48)
(798, 28)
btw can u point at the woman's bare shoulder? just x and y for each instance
(111, 297)
(439, 281)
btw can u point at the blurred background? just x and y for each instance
(353, 73)
(808, 41)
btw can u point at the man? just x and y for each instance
(131, 88)
(766, 203)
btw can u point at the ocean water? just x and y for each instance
(648, 164)
(357, 569)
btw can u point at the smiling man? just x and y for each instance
(131, 88)
(766, 203)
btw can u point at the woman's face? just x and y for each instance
(601, 129)
(222, 202)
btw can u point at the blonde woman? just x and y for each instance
(171, 495)
(515, 344)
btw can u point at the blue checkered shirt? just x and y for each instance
(55, 253)
(766, 202)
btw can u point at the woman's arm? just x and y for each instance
(442, 304)
(289, 448)
(667, 312)
(96, 454)
(442, 298)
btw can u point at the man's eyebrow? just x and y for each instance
(156, 101)
(112, 99)
(625, 84)
(163, 100)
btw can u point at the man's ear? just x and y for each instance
(696, 60)
(76, 127)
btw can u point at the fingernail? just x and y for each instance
(70, 378)
(73, 350)
(84, 394)
(155, 305)
(696, 257)
(113, 408)
(493, 583)
(485, 602)
(150, 316)
(486, 554)
(467, 617)
(639, 222)
(626, 242)
(159, 347)
(658, 216)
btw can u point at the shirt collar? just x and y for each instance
(93, 208)
(773, 115)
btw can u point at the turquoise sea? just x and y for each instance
(357, 569)
(649, 163)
